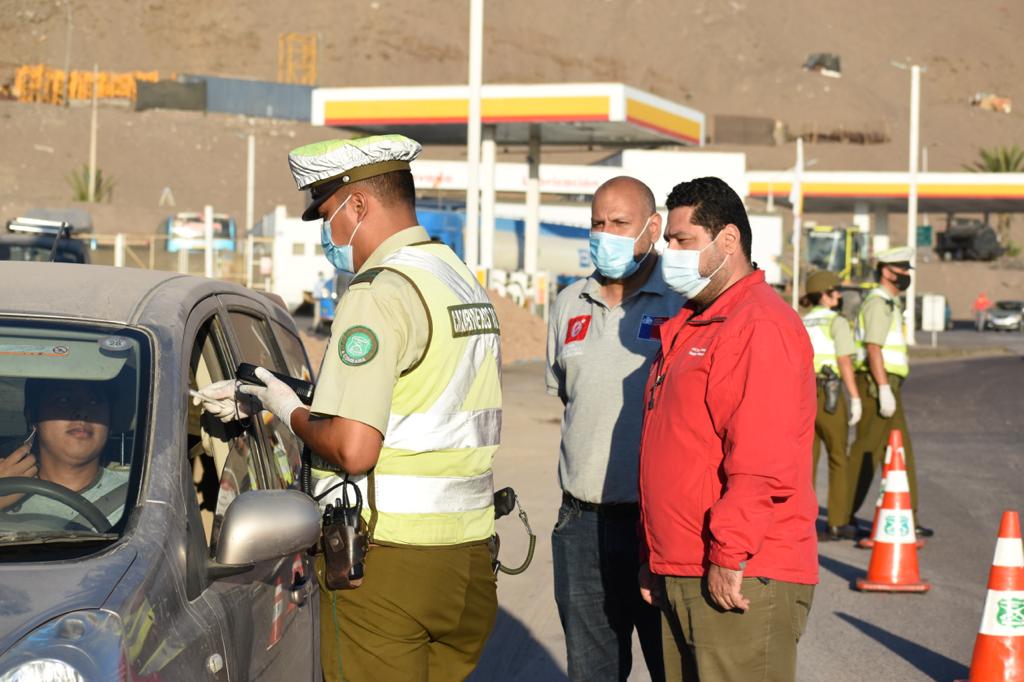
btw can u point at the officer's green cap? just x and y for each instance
(325, 167)
(821, 281)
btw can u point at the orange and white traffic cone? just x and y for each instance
(893, 566)
(999, 648)
(895, 443)
(277, 618)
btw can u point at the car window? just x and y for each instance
(259, 347)
(294, 353)
(70, 400)
(224, 460)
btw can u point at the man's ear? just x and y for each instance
(732, 244)
(654, 227)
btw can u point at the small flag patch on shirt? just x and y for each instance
(577, 328)
(650, 328)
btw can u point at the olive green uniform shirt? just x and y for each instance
(842, 336)
(878, 314)
(380, 330)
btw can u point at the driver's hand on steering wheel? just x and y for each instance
(21, 462)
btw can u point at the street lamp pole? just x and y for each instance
(476, 40)
(797, 198)
(915, 154)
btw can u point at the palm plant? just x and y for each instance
(1000, 160)
(79, 182)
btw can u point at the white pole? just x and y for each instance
(208, 234)
(531, 233)
(915, 152)
(476, 50)
(67, 53)
(488, 153)
(91, 196)
(249, 247)
(119, 250)
(250, 184)
(798, 211)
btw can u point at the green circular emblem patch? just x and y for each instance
(358, 345)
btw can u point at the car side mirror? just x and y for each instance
(267, 524)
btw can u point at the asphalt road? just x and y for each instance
(966, 422)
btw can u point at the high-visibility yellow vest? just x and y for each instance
(819, 327)
(894, 350)
(432, 484)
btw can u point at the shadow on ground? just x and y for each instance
(513, 653)
(934, 665)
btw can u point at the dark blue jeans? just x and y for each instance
(596, 560)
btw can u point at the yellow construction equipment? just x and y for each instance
(40, 83)
(296, 58)
(843, 250)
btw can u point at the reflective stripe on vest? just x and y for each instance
(432, 484)
(894, 350)
(819, 327)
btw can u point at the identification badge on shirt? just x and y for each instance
(650, 328)
(577, 329)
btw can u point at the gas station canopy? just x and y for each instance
(598, 114)
(839, 191)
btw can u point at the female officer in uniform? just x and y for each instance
(834, 349)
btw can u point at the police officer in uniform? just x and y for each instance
(834, 350)
(882, 367)
(408, 402)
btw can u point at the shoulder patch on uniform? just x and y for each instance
(357, 346)
(366, 277)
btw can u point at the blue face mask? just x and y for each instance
(680, 268)
(612, 254)
(339, 256)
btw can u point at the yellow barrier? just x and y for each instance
(40, 83)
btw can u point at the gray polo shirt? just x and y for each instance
(598, 359)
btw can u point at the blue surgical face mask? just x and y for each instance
(339, 256)
(612, 254)
(680, 268)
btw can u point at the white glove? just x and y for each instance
(856, 409)
(276, 396)
(218, 399)
(886, 401)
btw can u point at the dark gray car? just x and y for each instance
(138, 538)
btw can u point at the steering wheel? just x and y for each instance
(54, 491)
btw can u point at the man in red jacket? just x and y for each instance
(727, 505)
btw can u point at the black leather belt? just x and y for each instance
(610, 509)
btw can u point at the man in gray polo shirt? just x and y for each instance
(602, 334)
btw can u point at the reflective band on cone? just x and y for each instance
(893, 566)
(999, 648)
(895, 443)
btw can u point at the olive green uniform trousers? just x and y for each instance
(703, 643)
(833, 431)
(868, 450)
(422, 614)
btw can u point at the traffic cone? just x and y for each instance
(895, 443)
(893, 566)
(999, 648)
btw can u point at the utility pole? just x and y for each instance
(250, 186)
(476, 40)
(915, 154)
(92, 134)
(67, 53)
(797, 195)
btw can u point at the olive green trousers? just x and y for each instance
(833, 430)
(703, 643)
(868, 450)
(421, 614)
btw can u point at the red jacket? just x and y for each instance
(725, 456)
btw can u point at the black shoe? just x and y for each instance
(923, 532)
(846, 532)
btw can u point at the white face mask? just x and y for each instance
(680, 268)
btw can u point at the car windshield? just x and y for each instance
(1015, 306)
(70, 412)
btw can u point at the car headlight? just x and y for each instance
(81, 646)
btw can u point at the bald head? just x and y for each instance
(629, 190)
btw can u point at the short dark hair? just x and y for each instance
(810, 300)
(394, 189)
(715, 205)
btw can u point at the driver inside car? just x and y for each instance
(68, 422)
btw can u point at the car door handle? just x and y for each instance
(300, 591)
